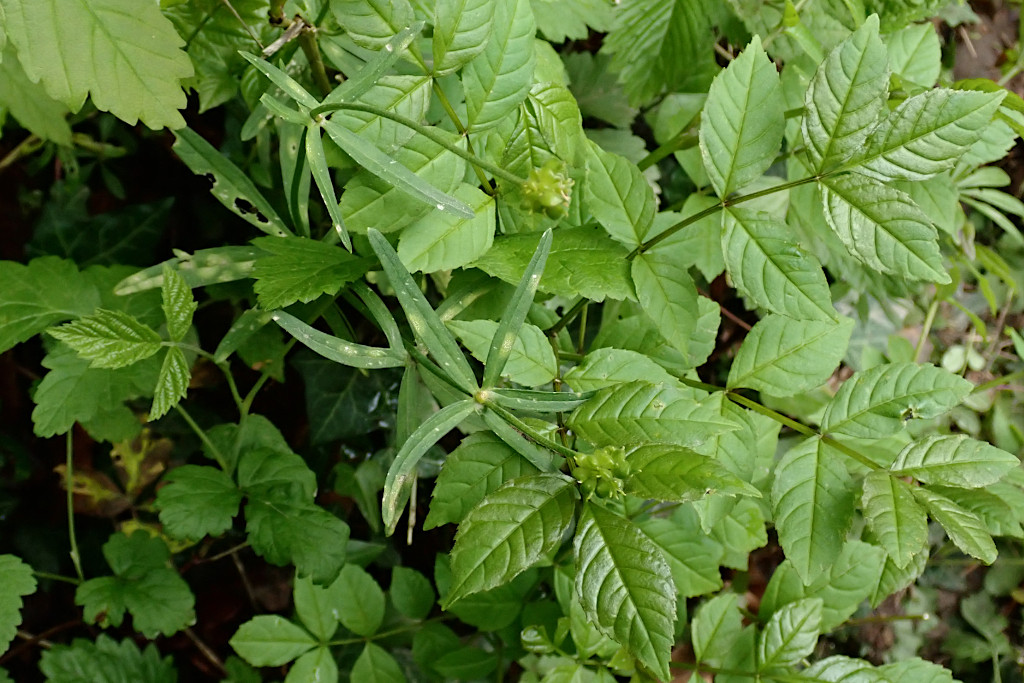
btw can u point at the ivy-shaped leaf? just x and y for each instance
(625, 586)
(125, 55)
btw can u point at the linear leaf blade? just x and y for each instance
(339, 350)
(743, 121)
(773, 270)
(509, 531)
(625, 586)
(531, 361)
(783, 357)
(883, 228)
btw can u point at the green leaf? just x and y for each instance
(204, 267)
(742, 123)
(658, 44)
(285, 531)
(34, 296)
(619, 196)
(371, 23)
(402, 472)
(282, 81)
(159, 600)
(125, 55)
(812, 502)
(28, 102)
(845, 98)
(426, 326)
(197, 501)
(74, 392)
(104, 659)
(598, 93)
(506, 337)
(300, 269)
(692, 556)
(411, 593)
(926, 134)
(582, 262)
(625, 586)
(268, 640)
(668, 296)
(444, 241)
(790, 634)
(477, 467)
(716, 626)
(17, 580)
(461, 32)
(339, 350)
(109, 339)
(317, 160)
(875, 403)
(559, 21)
(267, 472)
(318, 665)
(315, 606)
(915, 54)
(172, 384)
(531, 361)
(641, 412)
(497, 79)
(672, 473)
(376, 665)
(509, 531)
(783, 357)
(362, 610)
(962, 526)
(369, 202)
(606, 367)
(953, 461)
(178, 304)
(883, 227)
(772, 270)
(407, 96)
(895, 519)
(228, 184)
(917, 670)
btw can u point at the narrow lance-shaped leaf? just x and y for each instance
(783, 357)
(370, 157)
(955, 460)
(324, 182)
(845, 97)
(926, 134)
(812, 501)
(378, 65)
(883, 227)
(515, 313)
(282, 81)
(229, 185)
(531, 361)
(773, 270)
(509, 531)
(625, 586)
(425, 324)
(876, 402)
(339, 350)
(894, 517)
(743, 121)
(398, 484)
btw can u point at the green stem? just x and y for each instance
(276, 12)
(684, 140)
(926, 328)
(529, 431)
(393, 632)
(463, 131)
(56, 577)
(248, 29)
(22, 149)
(214, 451)
(567, 317)
(69, 478)
(310, 48)
(425, 131)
